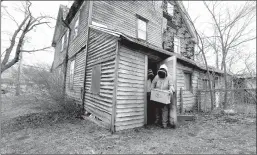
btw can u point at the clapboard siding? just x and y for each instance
(80, 41)
(79, 71)
(77, 43)
(130, 89)
(101, 50)
(121, 16)
(189, 97)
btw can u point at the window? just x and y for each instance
(205, 84)
(96, 78)
(188, 81)
(141, 29)
(98, 24)
(76, 28)
(170, 9)
(72, 65)
(67, 37)
(62, 46)
(176, 45)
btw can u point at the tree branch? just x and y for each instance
(35, 50)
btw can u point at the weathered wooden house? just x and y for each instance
(108, 47)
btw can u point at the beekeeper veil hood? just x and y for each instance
(163, 71)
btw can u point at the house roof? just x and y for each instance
(155, 48)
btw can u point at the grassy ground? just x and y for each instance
(42, 127)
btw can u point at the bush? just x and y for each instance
(50, 85)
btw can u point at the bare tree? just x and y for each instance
(233, 29)
(202, 46)
(28, 23)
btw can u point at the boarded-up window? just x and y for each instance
(176, 44)
(72, 66)
(188, 81)
(95, 81)
(141, 29)
(170, 9)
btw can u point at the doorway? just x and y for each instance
(150, 105)
(154, 65)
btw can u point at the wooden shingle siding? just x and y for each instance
(130, 89)
(121, 16)
(101, 50)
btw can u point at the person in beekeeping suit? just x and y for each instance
(163, 81)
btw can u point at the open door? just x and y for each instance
(171, 63)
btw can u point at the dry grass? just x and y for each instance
(58, 132)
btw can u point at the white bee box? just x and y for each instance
(162, 96)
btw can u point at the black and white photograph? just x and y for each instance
(128, 77)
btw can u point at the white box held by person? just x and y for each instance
(162, 96)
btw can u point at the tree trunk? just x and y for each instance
(209, 80)
(18, 85)
(217, 60)
(226, 84)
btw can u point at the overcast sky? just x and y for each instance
(42, 36)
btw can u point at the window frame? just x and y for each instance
(190, 81)
(76, 26)
(139, 18)
(62, 42)
(67, 38)
(179, 44)
(71, 80)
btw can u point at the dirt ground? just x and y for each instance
(36, 127)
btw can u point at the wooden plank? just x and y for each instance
(129, 60)
(181, 100)
(131, 73)
(126, 97)
(121, 119)
(98, 106)
(131, 81)
(130, 122)
(131, 101)
(114, 101)
(120, 84)
(130, 93)
(131, 65)
(107, 100)
(134, 109)
(131, 77)
(145, 90)
(120, 106)
(129, 89)
(129, 52)
(133, 58)
(140, 113)
(128, 68)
